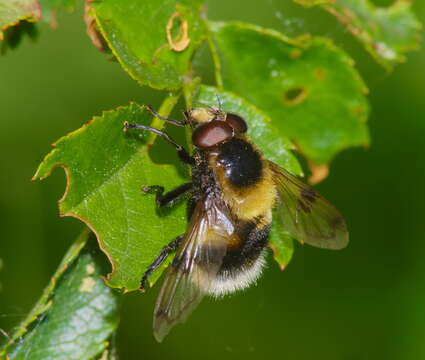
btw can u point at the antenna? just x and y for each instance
(219, 102)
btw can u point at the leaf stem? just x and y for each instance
(189, 89)
(215, 57)
(165, 109)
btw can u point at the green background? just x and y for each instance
(366, 302)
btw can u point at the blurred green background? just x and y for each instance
(366, 302)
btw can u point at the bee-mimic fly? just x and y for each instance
(233, 192)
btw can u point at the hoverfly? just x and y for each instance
(231, 197)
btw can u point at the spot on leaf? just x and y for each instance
(90, 269)
(295, 96)
(360, 112)
(87, 284)
(295, 53)
(320, 74)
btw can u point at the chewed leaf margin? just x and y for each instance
(13, 13)
(387, 33)
(105, 169)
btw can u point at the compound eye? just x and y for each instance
(211, 134)
(237, 123)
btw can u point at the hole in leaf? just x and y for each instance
(177, 32)
(295, 96)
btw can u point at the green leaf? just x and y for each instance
(74, 318)
(43, 302)
(310, 3)
(386, 33)
(12, 12)
(105, 170)
(281, 243)
(136, 32)
(307, 86)
(275, 146)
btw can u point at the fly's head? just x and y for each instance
(213, 126)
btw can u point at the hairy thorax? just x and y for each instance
(245, 178)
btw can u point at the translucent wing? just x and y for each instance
(306, 215)
(194, 267)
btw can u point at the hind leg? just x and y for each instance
(167, 250)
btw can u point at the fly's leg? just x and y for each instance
(162, 199)
(169, 198)
(181, 151)
(164, 118)
(167, 250)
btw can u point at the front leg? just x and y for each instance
(167, 250)
(169, 198)
(181, 151)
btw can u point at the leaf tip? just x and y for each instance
(125, 290)
(318, 173)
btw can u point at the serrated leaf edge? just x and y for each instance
(143, 149)
(34, 16)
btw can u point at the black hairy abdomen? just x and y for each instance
(253, 241)
(242, 163)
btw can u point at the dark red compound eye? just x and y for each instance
(237, 123)
(211, 134)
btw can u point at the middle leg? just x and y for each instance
(169, 198)
(167, 250)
